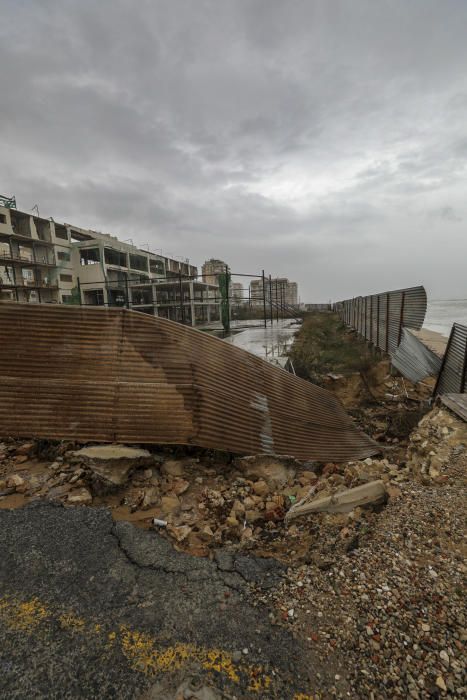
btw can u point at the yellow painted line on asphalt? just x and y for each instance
(139, 648)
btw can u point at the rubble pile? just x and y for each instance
(375, 588)
(439, 437)
(201, 505)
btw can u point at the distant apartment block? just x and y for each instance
(281, 290)
(237, 294)
(211, 269)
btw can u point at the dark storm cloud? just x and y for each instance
(323, 140)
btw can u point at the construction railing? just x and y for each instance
(380, 318)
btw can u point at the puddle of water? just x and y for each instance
(271, 343)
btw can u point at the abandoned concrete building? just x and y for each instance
(43, 261)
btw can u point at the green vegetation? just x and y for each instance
(324, 345)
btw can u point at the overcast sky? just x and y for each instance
(322, 140)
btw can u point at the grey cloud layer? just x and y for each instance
(326, 141)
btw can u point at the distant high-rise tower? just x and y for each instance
(211, 269)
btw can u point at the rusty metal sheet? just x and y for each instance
(98, 374)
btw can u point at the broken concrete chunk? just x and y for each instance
(112, 465)
(343, 502)
(80, 497)
(275, 471)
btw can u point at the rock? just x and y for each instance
(111, 465)
(440, 683)
(261, 488)
(172, 468)
(20, 459)
(170, 504)
(251, 516)
(393, 492)
(231, 521)
(179, 486)
(80, 497)
(26, 449)
(151, 496)
(15, 481)
(206, 533)
(276, 471)
(238, 508)
(179, 533)
(444, 656)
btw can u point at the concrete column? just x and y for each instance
(192, 302)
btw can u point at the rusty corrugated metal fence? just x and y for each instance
(94, 374)
(452, 377)
(380, 318)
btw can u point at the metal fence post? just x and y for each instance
(270, 300)
(401, 319)
(387, 322)
(264, 297)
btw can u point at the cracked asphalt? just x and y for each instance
(90, 608)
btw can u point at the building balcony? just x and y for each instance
(29, 284)
(30, 239)
(26, 260)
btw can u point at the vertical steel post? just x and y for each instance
(377, 322)
(277, 305)
(127, 290)
(264, 298)
(401, 319)
(270, 300)
(366, 318)
(182, 308)
(464, 371)
(228, 293)
(387, 321)
(79, 292)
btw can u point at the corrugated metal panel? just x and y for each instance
(380, 318)
(456, 403)
(415, 360)
(452, 378)
(95, 374)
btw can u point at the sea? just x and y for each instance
(442, 313)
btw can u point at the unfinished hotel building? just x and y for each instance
(42, 261)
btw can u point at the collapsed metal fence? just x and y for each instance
(108, 374)
(380, 318)
(452, 377)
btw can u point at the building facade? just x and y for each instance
(42, 261)
(35, 259)
(280, 290)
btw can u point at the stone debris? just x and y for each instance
(375, 590)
